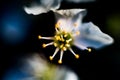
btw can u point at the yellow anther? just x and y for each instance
(55, 44)
(64, 48)
(39, 37)
(58, 38)
(75, 24)
(51, 58)
(59, 61)
(61, 46)
(78, 32)
(67, 45)
(89, 50)
(65, 35)
(44, 45)
(57, 24)
(77, 56)
(67, 41)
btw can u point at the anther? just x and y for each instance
(65, 35)
(57, 37)
(39, 37)
(51, 58)
(67, 41)
(61, 46)
(57, 24)
(67, 45)
(64, 48)
(89, 50)
(77, 56)
(44, 45)
(60, 61)
(55, 44)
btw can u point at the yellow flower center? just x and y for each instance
(63, 40)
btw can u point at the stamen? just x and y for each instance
(61, 55)
(67, 45)
(62, 38)
(49, 38)
(67, 41)
(76, 55)
(45, 45)
(65, 35)
(57, 38)
(57, 25)
(64, 48)
(55, 44)
(51, 57)
(61, 46)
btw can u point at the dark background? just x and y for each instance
(103, 64)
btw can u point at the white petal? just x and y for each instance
(43, 7)
(68, 13)
(65, 25)
(36, 10)
(69, 17)
(77, 1)
(92, 36)
(71, 76)
(36, 64)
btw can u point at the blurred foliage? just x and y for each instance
(113, 25)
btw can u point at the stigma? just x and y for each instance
(63, 41)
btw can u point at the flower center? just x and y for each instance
(63, 40)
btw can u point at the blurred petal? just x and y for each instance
(35, 67)
(69, 13)
(40, 69)
(69, 17)
(78, 1)
(43, 7)
(35, 10)
(36, 64)
(92, 36)
(71, 76)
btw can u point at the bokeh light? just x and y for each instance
(14, 27)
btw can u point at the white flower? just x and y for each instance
(71, 31)
(40, 69)
(43, 7)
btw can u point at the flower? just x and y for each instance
(71, 31)
(43, 7)
(42, 70)
(35, 67)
